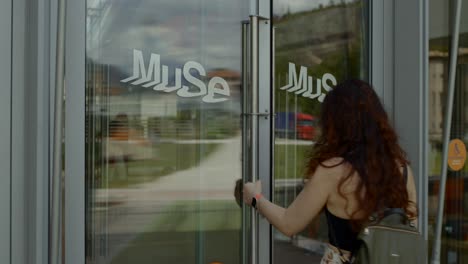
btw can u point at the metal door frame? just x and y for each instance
(74, 132)
(30, 70)
(410, 106)
(5, 129)
(399, 68)
(265, 148)
(74, 207)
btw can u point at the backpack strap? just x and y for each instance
(391, 211)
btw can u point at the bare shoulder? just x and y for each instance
(332, 170)
(324, 180)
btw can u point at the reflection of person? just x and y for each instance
(356, 169)
(117, 149)
(119, 127)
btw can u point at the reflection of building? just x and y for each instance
(161, 109)
(438, 80)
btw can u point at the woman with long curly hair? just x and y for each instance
(356, 168)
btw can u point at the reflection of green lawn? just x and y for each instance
(169, 158)
(202, 215)
(188, 232)
(434, 163)
(290, 161)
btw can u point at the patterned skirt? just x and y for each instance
(332, 256)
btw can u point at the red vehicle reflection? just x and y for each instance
(295, 125)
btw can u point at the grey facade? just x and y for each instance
(134, 156)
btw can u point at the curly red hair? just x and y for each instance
(355, 127)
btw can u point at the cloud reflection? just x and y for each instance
(208, 32)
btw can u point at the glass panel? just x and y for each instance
(163, 129)
(455, 223)
(318, 43)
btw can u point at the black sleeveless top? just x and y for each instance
(341, 230)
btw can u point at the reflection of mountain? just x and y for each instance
(104, 79)
(312, 37)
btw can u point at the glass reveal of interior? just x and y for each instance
(454, 246)
(318, 43)
(163, 131)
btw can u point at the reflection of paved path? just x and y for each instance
(135, 209)
(214, 178)
(218, 172)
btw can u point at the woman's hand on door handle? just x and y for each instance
(238, 192)
(251, 190)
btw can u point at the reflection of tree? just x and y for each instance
(327, 40)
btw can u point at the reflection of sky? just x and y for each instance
(283, 6)
(206, 31)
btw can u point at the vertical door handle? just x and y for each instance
(246, 234)
(249, 131)
(250, 115)
(273, 108)
(55, 223)
(254, 129)
(245, 102)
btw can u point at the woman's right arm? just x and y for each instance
(305, 207)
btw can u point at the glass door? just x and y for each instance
(163, 131)
(318, 43)
(448, 131)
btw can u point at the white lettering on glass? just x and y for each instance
(139, 71)
(198, 84)
(157, 77)
(224, 90)
(304, 84)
